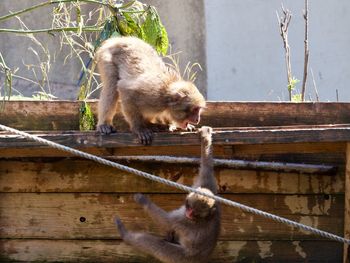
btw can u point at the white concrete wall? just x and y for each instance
(245, 55)
(184, 21)
(237, 42)
(185, 24)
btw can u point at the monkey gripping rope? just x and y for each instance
(176, 185)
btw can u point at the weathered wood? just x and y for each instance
(313, 153)
(42, 115)
(69, 175)
(223, 137)
(64, 115)
(64, 208)
(346, 253)
(50, 152)
(91, 216)
(116, 251)
(236, 164)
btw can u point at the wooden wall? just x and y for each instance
(55, 207)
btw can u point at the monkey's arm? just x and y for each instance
(107, 105)
(167, 220)
(206, 177)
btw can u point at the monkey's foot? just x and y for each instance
(145, 136)
(121, 228)
(106, 129)
(141, 199)
(206, 132)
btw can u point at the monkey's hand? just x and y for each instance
(106, 129)
(190, 127)
(172, 127)
(145, 136)
(121, 228)
(205, 133)
(141, 199)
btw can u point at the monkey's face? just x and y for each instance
(199, 207)
(183, 116)
(185, 104)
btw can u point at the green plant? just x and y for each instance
(83, 33)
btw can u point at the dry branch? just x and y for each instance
(13, 14)
(238, 164)
(283, 26)
(314, 84)
(306, 49)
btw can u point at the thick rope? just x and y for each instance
(176, 185)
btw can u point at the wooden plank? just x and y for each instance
(316, 153)
(253, 150)
(223, 137)
(117, 251)
(42, 115)
(236, 114)
(71, 175)
(282, 167)
(346, 253)
(50, 152)
(91, 216)
(64, 115)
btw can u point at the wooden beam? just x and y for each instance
(90, 215)
(48, 250)
(237, 164)
(70, 175)
(346, 255)
(328, 133)
(64, 115)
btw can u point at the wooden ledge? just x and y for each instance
(226, 136)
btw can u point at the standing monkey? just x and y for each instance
(149, 91)
(193, 228)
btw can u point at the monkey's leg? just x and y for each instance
(136, 121)
(107, 105)
(156, 246)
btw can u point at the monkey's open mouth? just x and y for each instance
(189, 213)
(185, 125)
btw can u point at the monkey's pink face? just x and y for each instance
(191, 116)
(196, 209)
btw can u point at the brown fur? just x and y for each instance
(192, 229)
(149, 92)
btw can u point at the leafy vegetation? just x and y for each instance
(83, 33)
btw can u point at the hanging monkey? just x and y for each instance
(193, 229)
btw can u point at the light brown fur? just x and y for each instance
(150, 92)
(192, 229)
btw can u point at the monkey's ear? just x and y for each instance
(176, 98)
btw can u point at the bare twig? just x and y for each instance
(306, 49)
(314, 83)
(283, 26)
(2, 18)
(52, 30)
(337, 94)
